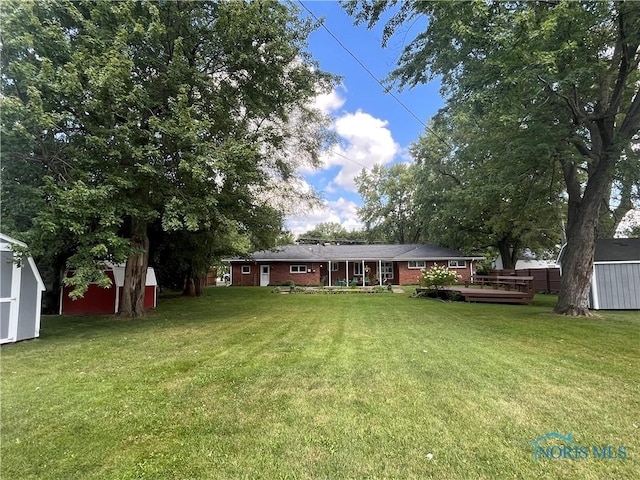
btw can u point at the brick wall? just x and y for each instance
(240, 279)
(411, 276)
(280, 273)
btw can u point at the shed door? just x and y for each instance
(264, 275)
(9, 296)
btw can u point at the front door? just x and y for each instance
(264, 275)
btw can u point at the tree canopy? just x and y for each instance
(389, 211)
(330, 232)
(495, 190)
(186, 116)
(562, 69)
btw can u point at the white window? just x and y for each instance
(457, 264)
(246, 269)
(387, 270)
(357, 268)
(334, 266)
(298, 268)
(417, 264)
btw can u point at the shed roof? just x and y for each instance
(5, 244)
(388, 252)
(118, 270)
(617, 250)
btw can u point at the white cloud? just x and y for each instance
(340, 211)
(329, 102)
(366, 141)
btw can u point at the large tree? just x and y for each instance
(188, 115)
(581, 58)
(494, 190)
(389, 210)
(330, 232)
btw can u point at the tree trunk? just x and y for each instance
(135, 276)
(509, 254)
(608, 139)
(577, 265)
(582, 224)
(193, 285)
(189, 288)
(199, 285)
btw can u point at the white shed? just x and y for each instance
(21, 290)
(615, 283)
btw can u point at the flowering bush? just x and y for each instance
(437, 277)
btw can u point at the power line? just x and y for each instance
(364, 67)
(347, 158)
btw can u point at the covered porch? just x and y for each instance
(342, 273)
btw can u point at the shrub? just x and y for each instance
(484, 267)
(437, 277)
(444, 295)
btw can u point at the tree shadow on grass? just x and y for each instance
(88, 326)
(174, 310)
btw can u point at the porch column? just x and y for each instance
(363, 272)
(329, 273)
(380, 272)
(346, 272)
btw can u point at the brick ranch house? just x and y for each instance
(342, 264)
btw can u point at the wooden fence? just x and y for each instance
(544, 279)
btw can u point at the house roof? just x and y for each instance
(617, 250)
(388, 252)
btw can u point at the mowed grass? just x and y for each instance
(244, 383)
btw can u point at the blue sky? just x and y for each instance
(371, 125)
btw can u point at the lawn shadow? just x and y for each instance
(174, 309)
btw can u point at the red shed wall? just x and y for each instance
(100, 301)
(149, 297)
(96, 300)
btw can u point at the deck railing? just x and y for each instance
(505, 282)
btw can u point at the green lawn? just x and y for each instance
(244, 383)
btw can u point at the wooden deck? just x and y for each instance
(502, 289)
(486, 295)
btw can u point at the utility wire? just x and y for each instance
(364, 67)
(347, 158)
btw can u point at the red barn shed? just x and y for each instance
(98, 300)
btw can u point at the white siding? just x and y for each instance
(618, 286)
